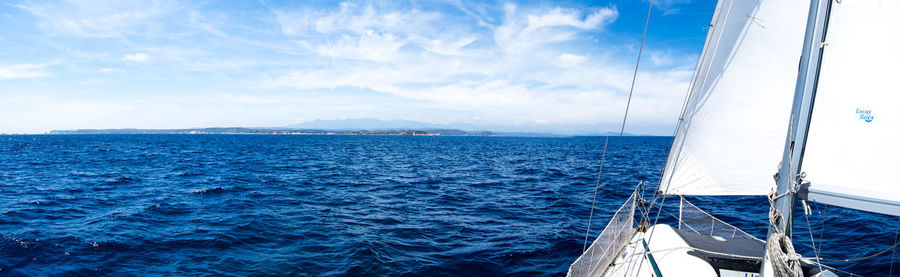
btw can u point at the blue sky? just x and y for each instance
(555, 66)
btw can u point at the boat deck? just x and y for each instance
(668, 256)
(674, 252)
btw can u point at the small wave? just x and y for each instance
(271, 181)
(21, 243)
(169, 209)
(426, 181)
(121, 180)
(190, 173)
(215, 190)
(261, 205)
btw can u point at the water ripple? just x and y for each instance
(236, 205)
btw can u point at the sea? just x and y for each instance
(310, 205)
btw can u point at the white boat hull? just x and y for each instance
(668, 254)
(699, 245)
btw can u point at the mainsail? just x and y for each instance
(853, 141)
(729, 140)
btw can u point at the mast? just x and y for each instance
(789, 177)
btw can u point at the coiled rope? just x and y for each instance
(822, 266)
(779, 247)
(780, 250)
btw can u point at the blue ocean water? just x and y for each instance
(344, 205)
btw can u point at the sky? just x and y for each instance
(552, 66)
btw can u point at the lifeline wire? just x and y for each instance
(621, 131)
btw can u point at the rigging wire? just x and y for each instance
(780, 254)
(813, 241)
(681, 118)
(894, 252)
(673, 216)
(705, 76)
(622, 130)
(891, 248)
(596, 188)
(860, 258)
(818, 249)
(823, 214)
(645, 217)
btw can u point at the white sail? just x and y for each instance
(731, 137)
(853, 144)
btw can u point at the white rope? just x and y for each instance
(816, 260)
(779, 247)
(780, 250)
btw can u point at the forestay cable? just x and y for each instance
(622, 130)
(686, 105)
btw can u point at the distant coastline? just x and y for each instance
(298, 131)
(286, 131)
(363, 126)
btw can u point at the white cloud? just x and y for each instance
(521, 31)
(582, 93)
(520, 76)
(370, 45)
(494, 64)
(448, 46)
(136, 57)
(47, 112)
(354, 18)
(374, 31)
(23, 71)
(111, 70)
(100, 19)
(571, 59)
(669, 6)
(660, 59)
(249, 99)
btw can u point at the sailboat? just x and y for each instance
(817, 107)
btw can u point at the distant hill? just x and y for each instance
(364, 124)
(133, 131)
(274, 131)
(372, 126)
(507, 130)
